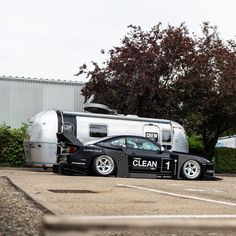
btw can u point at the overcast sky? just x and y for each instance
(52, 38)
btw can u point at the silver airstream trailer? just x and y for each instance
(41, 148)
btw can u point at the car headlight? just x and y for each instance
(208, 162)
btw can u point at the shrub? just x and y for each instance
(225, 160)
(11, 145)
(196, 144)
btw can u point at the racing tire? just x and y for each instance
(191, 170)
(103, 165)
(60, 169)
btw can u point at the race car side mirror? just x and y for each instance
(162, 149)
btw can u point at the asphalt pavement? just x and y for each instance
(89, 195)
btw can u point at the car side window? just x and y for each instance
(142, 144)
(120, 142)
(117, 142)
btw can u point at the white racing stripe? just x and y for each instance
(178, 195)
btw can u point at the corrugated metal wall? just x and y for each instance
(21, 98)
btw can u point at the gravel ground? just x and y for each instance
(18, 214)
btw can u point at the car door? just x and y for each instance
(146, 156)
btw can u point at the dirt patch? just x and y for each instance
(71, 191)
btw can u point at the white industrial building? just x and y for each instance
(21, 98)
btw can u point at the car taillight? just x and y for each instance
(69, 149)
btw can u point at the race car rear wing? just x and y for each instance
(68, 137)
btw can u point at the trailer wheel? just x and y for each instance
(103, 165)
(191, 170)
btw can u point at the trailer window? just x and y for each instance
(98, 131)
(166, 136)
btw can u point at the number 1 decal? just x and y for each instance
(168, 165)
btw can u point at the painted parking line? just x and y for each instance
(178, 195)
(195, 190)
(178, 185)
(203, 190)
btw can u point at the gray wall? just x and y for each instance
(21, 98)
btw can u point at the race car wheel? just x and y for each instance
(104, 165)
(191, 170)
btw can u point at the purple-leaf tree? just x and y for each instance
(168, 73)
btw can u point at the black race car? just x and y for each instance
(127, 156)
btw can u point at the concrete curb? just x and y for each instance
(59, 225)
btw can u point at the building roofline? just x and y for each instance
(38, 80)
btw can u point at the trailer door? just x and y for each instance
(152, 131)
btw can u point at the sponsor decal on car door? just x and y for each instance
(149, 161)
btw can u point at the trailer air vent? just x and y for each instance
(98, 109)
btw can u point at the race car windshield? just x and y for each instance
(116, 142)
